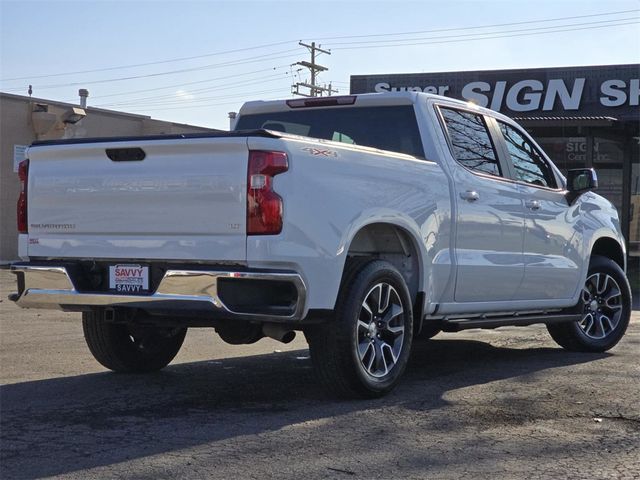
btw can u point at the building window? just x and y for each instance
(565, 152)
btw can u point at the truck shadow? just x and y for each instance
(65, 425)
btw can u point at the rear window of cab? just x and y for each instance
(393, 128)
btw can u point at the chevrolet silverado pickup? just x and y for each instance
(366, 222)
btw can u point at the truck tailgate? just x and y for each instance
(185, 200)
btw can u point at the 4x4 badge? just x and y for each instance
(320, 152)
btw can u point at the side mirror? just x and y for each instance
(579, 181)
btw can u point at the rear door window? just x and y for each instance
(470, 141)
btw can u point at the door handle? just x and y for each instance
(469, 195)
(533, 204)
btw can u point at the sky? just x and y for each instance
(195, 61)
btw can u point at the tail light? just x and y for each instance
(23, 175)
(264, 206)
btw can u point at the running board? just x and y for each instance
(456, 325)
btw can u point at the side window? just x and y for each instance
(529, 165)
(470, 141)
(341, 137)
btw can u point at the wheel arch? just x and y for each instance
(611, 248)
(399, 245)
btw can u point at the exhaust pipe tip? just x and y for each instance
(288, 337)
(280, 333)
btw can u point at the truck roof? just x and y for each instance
(356, 100)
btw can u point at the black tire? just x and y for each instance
(605, 313)
(336, 346)
(127, 348)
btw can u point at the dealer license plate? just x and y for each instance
(129, 278)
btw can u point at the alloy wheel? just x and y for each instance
(380, 330)
(602, 300)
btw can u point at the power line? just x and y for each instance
(277, 44)
(168, 99)
(486, 38)
(176, 85)
(241, 99)
(439, 37)
(155, 100)
(254, 59)
(223, 86)
(243, 96)
(481, 26)
(121, 67)
(190, 102)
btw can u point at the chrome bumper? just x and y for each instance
(51, 287)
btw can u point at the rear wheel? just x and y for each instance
(131, 348)
(364, 350)
(605, 302)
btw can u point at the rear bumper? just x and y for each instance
(51, 287)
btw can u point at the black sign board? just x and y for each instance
(606, 90)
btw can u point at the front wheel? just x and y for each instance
(130, 348)
(364, 350)
(605, 301)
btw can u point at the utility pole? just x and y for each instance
(313, 89)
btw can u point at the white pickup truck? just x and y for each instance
(365, 221)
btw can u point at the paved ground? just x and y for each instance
(484, 404)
